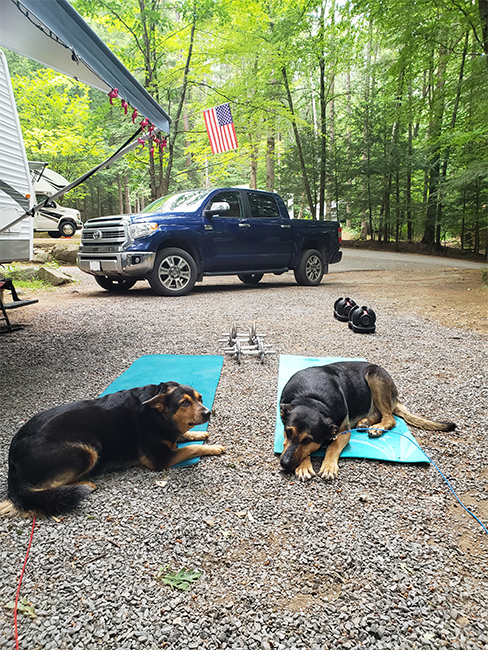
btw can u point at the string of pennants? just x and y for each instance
(218, 122)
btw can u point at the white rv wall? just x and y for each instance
(16, 243)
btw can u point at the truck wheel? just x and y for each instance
(115, 285)
(250, 278)
(310, 269)
(67, 229)
(174, 273)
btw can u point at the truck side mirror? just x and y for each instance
(216, 208)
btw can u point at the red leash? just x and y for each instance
(20, 582)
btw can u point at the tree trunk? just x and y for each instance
(298, 143)
(153, 183)
(364, 225)
(270, 163)
(193, 177)
(398, 211)
(483, 10)
(409, 185)
(323, 117)
(127, 208)
(463, 225)
(366, 155)
(331, 189)
(323, 140)
(253, 180)
(331, 125)
(175, 133)
(121, 195)
(435, 128)
(453, 124)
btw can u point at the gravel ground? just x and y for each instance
(379, 558)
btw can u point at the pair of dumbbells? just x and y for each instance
(360, 319)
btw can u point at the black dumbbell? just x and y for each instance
(342, 307)
(362, 320)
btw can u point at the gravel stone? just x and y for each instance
(381, 557)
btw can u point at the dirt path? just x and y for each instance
(454, 297)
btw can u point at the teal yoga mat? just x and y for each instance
(202, 372)
(390, 446)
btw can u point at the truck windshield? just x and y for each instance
(181, 202)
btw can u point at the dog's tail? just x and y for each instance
(420, 422)
(54, 501)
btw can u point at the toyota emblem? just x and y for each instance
(97, 234)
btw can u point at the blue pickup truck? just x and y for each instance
(178, 239)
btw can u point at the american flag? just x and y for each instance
(220, 128)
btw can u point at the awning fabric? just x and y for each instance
(53, 33)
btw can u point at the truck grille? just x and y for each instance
(104, 230)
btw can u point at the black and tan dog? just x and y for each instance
(318, 404)
(54, 453)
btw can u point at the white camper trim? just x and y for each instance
(16, 191)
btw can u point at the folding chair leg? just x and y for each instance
(7, 327)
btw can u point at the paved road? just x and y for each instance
(363, 260)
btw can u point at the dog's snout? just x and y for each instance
(205, 414)
(286, 462)
(285, 465)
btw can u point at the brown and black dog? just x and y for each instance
(54, 453)
(317, 404)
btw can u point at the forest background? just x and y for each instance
(373, 112)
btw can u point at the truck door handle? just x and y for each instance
(285, 225)
(244, 225)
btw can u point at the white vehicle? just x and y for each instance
(52, 218)
(55, 35)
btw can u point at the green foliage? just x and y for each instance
(25, 277)
(388, 109)
(182, 580)
(23, 606)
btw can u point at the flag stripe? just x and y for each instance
(214, 128)
(220, 128)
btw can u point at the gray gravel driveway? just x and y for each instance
(381, 557)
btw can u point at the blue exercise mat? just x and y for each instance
(202, 372)
(390, 446)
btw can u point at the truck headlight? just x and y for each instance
(143, 229)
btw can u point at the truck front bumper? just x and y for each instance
(127, 264)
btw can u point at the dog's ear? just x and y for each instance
(284, 410)
(165, 386)
(335, 431)
(157, 402)
(332, 429)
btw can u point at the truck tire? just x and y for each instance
(114, 285)
(174, 273)
(250, 278)
(310, 269)
(67, 229)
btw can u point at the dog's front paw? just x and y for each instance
(304, 472)
(374, 432)
(197, 435)
(363, 424)
(329, 470)
(214, 450)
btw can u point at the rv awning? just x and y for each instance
(53, 33)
